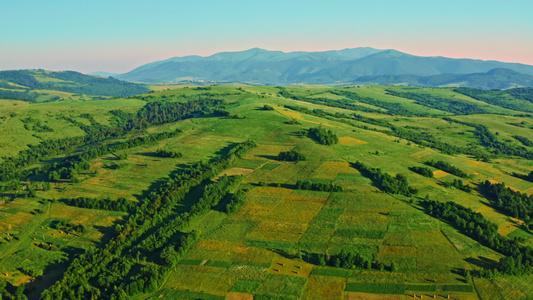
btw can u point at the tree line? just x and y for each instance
(168, 153)
(490, 141)
(424, 139)
(458, 184)
(444, 104)
(512, 203)
(236, 201)
(524, 140)
(447, 167)
(528, 177)
(120, 204)
(426, 172)
(390, 184)
(317, 186)
(155, 113)
(147, 225)
(474, 225)
(498, 98)
(342, 103)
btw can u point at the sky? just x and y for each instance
(120, 35)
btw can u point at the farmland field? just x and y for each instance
(149, 215)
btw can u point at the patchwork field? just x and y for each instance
(281, 242)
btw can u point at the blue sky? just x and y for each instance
(119, 35)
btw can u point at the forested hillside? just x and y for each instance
(32, 85)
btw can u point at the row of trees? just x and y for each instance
(120, 204)
(528, 177)
(477, 227)
(524, 140)
(153, 113)
(512, 203)
(426, 172)
(444, 104)
(490, 141)
(390, 184)
(499, 98)
(152, 224)
(424, 139)
(342, 103)
(236, 201)
(458, 184)
(444, 166)
(317, 186)
(168, 153)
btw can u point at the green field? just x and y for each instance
(282, 242)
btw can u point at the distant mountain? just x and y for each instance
(41, 85)
(493, 79)
(104, 74)
(328, 67)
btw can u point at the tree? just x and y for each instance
(393, 267)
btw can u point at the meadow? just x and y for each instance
(282, 242)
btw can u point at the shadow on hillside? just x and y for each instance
(482, 262)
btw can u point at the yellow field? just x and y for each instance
(298, 116)
(15, 221)
(236, 171)
(440, 174)
(325, 287)
(239, 296)
(346, 140)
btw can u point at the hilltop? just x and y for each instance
(41, 85)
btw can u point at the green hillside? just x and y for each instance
(295, 192)
(46, 86)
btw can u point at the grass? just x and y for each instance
(237, 253)
(375, 288)
(283, 285)
(246, 286)
(332, 272)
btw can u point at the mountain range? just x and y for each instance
(338, 67)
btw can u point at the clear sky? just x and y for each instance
(119, 35)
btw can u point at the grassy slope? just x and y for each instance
(362, 218)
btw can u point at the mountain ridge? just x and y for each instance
(326, 67)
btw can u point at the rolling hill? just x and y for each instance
(269, 192)
(328, 67)
(493, 79)
(41, 85)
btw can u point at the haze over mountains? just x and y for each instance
(348, 66)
